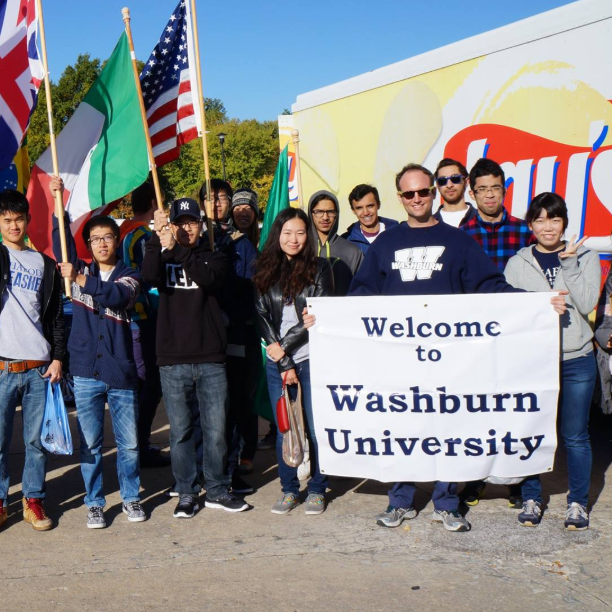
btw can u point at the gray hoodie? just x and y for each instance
(344, 256)
(581, 276)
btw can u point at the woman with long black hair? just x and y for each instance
(288, 273)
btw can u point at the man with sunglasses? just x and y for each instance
(499, 233)
(451, 180)
(191, 353)
(102, 360)
(423, 256)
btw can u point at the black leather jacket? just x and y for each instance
(270, 313)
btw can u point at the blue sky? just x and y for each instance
(258, 55)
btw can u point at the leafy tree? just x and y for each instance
(66, 95)
(251, 147)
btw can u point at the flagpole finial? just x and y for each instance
(125, 11)
(295, 134)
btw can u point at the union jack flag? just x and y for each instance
(169, 88)
(21, 73)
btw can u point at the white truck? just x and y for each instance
(535, 96)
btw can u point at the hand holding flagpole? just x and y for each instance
(298, 175)
(59, 201)
(128, 30)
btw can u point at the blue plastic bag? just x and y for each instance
(55, 435)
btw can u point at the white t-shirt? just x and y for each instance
(21, 329)
(290, 318)
(453, 217)
(105, 275)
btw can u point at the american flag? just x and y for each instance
(21, 72)
(169, 89)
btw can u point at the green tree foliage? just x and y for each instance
(66, 95)
(251, 147)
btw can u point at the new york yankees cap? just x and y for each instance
(185, 207)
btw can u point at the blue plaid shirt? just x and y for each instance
(502, 239)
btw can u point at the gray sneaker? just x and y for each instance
(315, 503)
(393, 517)
(134, 511)
(451, 519)
(95, 518)
(285, 503)
(576, 517)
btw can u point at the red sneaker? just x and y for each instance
(3, 513)
(34, 513)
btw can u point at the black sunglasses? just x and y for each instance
(423, 193)
(453, 178)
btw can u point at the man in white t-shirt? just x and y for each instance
(32, 347)
(451, 179)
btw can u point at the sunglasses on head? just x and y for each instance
(423, 193)
(453, 178)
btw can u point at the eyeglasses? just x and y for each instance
(222, 198)
(455, 179)
(423, 193)
(484, 190)
(95, 241)
(320, 213)
(186, 224)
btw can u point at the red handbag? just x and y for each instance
(282, 416)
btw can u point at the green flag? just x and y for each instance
(279, 196)
(277, 201)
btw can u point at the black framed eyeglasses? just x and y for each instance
(455, 179)
(423, 193)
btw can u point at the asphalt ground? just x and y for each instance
(337, 561)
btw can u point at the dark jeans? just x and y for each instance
(242, 377)
(28, 390)
(209, 384)
(444, 496)
(577, 385)
(288, 475)
(149, 383)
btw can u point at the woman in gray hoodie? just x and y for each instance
(556, 264)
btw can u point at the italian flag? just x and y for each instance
(102, 153)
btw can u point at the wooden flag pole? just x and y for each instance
(59, 200)
(295, 134)
(143, 113)
(207, 202)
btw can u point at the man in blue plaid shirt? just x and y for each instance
(499, 233)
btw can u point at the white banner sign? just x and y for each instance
(423, 388)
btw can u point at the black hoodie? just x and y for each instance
(344, 257)
(190, 326)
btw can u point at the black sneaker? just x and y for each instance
(240, 486)
(187, 506)
(228, 502)
(473, 492)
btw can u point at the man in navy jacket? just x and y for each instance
(102, 360)
(426, 257)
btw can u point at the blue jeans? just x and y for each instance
(91, 396)
(30, 390)
(444, 496)
(209, 384)
(288, 475)
(577, 385)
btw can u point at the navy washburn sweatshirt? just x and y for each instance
(100, 343)
(435, 260)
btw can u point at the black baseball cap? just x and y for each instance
(185, 207)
